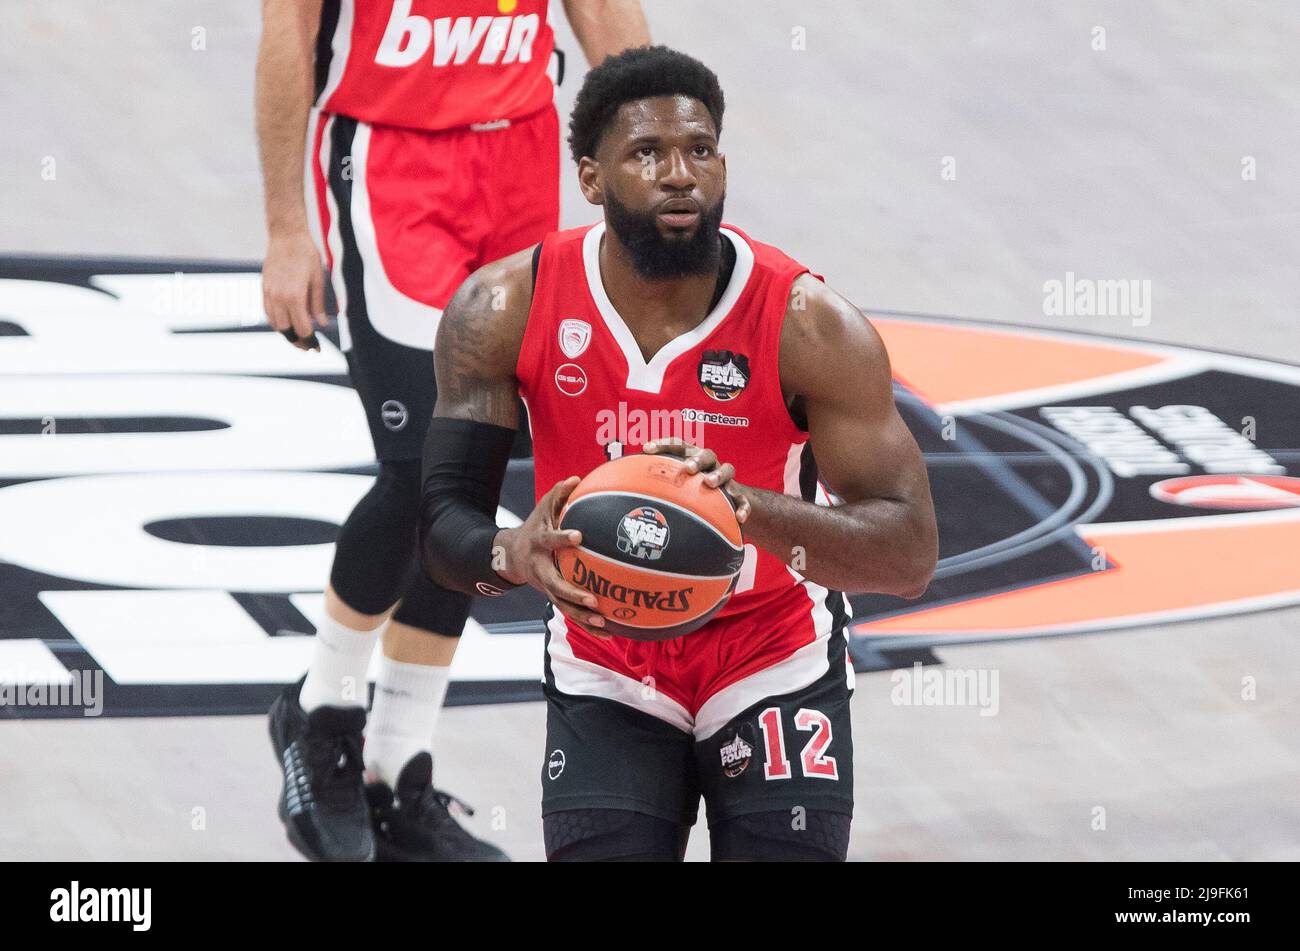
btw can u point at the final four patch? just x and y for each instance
(723, 374)
(737, 751)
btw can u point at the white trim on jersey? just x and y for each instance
(797, 671)
(801, 668)
(400, 318)
(816, 593)
(310, 196)
(583, 678)
(793, 469)
(335, 236)
(649, 377)
(340, 47)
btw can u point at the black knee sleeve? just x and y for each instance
(612, 835)
(814, 836)
(376, 562)
(429, 607)
(374, 557)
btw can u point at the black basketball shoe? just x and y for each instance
(417, 825)
(323, 803)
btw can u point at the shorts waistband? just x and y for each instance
(495, 125)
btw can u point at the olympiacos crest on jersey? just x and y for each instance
(575, 337)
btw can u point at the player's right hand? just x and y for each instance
(529, 558)
(293, 287)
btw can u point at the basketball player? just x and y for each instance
(434, 147)
(661, 308)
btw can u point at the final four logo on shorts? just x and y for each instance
(737, 752)
(723, 374)
(575, 337)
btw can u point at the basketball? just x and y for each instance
(661, 548)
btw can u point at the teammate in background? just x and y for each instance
(433, 148)
(662, 308)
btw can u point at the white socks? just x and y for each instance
(339, 662)
(408, 699)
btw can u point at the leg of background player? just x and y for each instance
(341, 655)
(409, 692)
(316, 727)
(372, 565)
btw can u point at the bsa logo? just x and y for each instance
(723, 374)
(575, 337)
(643, 533)
(394, 416)
(570, 379)
(736, 752)
(555, 764)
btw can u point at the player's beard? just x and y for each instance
(658, 258)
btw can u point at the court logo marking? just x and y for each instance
(1082, 483)
(1230, 493)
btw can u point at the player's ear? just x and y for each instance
(589, 180)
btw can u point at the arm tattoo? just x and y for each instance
(473, 359)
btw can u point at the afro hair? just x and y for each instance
(638, 73)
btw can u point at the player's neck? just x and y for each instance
(655, 311)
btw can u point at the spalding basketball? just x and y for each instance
(661, 549)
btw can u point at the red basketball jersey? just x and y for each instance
(591, 396)
(433, 64)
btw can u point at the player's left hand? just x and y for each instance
(719, 474)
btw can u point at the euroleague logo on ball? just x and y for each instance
(723, 374)
(570, 379)
(643, 533)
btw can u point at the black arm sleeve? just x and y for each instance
(464, 466)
